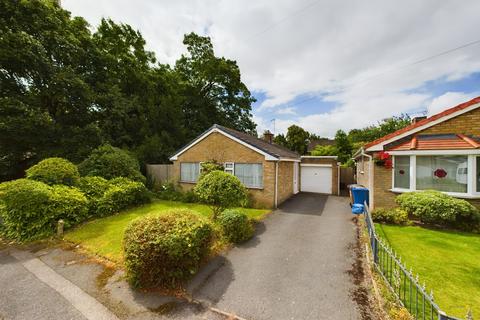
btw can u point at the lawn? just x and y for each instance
(448, 262)
(104, 236)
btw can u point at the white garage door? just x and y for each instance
(316, 179)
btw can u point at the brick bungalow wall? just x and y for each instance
(221, 149)
(467, 123)
(332, 162)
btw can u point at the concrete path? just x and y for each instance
(295, 268)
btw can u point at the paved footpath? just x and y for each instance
(297, 268)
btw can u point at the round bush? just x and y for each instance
(32, 208)
(435, 207)
(121, 194)
(54, 171)
(110, 162)
(221, 190)
(235, 225)
(166, 249)
(391, 216)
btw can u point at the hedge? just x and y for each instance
(167, 249)
(31, 209)
(54, 171)
(434, 207)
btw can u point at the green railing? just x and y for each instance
(402, 282)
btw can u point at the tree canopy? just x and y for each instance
(66, 88)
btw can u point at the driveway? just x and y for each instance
(295, 268)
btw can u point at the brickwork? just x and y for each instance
(285, 181)
(467, 123)
(217, 147)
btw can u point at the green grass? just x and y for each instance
(448, 262)
(104, 236)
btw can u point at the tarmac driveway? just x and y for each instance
(295, 268)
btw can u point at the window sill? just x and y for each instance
(254, 188)
(453, 194)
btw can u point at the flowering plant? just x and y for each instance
(383, 159)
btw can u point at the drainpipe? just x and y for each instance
(276, 184)
(370, 175)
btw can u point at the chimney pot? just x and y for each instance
(268, 136)
(418, 119)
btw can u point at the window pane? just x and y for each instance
(478, 174)
(189, 171)
(443, 173)
(402, 172)
(251, 174)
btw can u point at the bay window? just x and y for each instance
(453, 173)
(189, 171)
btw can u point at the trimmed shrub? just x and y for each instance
(93, 188)
(235, 225)
(167, 249)
(435, 207)
(54, 171)
(32, 208)
(391, 216)
(121, 194)
(220, 190)
(110, 162)
(208, 167)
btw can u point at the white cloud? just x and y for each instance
(286, 110)
(448, 100)
(355, 54)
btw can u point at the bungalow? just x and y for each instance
(270, 172)
(441, 152)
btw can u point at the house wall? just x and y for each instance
(467, 123)
(217, 147)
(333, 162)
(285, 181)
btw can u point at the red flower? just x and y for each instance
(388, 164)
(440, 173)
(383, 155)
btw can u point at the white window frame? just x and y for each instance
(471, 193)
(229, 167)
(199, 171)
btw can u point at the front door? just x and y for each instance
(295, 177)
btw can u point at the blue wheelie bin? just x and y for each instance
(360, 196)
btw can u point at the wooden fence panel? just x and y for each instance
(160, 173)
(347, 176)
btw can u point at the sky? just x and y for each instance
(323, 65)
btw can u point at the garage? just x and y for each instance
(316, 178)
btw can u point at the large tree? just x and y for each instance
(212, 89)
(297, 139)
(383, 128)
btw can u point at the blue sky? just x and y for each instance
(357, 59)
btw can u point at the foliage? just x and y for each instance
(209, 166)
(435, 207)
(235, 225)
(110, 162)
(391, 216)
(122, 193)
(212, 89)
(384, 127)
(93, 188)
(220, 190)
(164, 250)
(343, 146)
(324, 151)
(297, 139)
(168, 191)
(103, 236)
(280, 140)
(32, 208)
(54, 171)
(446, 260)
(68, 88)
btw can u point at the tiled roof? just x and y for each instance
(436, 142)
(270, 148)
(424, 122)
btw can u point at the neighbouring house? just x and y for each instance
(441, 152)
(320, 142)
(270, 172)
